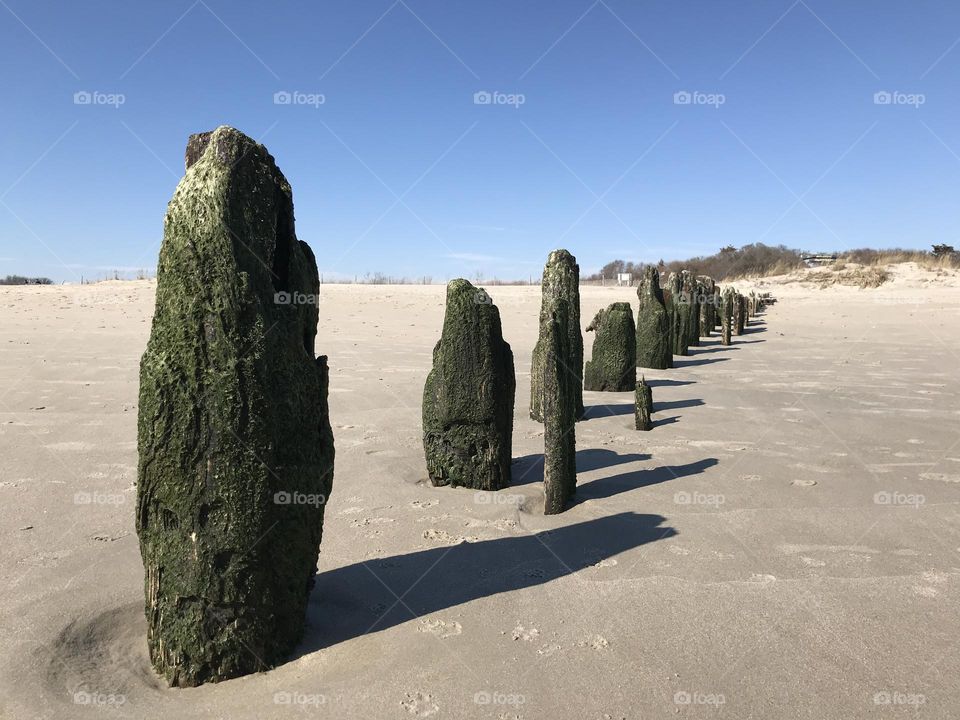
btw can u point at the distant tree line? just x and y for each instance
(21, 280)
(759, 260)
(729, 263)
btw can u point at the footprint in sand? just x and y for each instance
(445, 538)
(522, 633)
(364, 522)
(441, 628)
(597, 642)
(421, 504)
(420, 704)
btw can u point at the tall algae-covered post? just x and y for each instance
(726, 315)
(739, 308)
(561, 282)
(717, 302)
(653, 324)
(469, 395)
(643, 405)
(707, 308)
(235, 446)
(559, 410)
(679, 316)
(692, 299)
(613, 367)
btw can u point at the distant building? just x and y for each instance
(624, 279)
(818, 259)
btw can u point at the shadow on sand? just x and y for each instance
(682, 363)
(625, 482)
(593, 412)
(676, 404)
(529, 468)
(668, 383)
(378, 594)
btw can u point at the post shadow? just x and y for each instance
(529, 468)
(600, 411)
(708, 350)
(677, 404)
(625, 482)
(363, 597)
(670, 383)
(681, 363)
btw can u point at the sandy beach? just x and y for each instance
(785, 543)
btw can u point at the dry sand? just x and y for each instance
(734, 562)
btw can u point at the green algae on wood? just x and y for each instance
(559, 410)
(653, 324)
(692, 299)
(726, 315)
(561, 284)
(643, 405)
(235, 446)
(469, 395)
(613, 365)
(679, 309)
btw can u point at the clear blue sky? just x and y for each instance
(799, 152)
